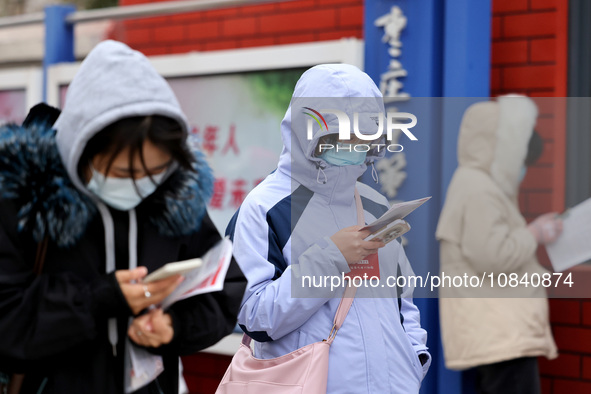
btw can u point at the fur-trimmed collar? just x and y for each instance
(32, 173)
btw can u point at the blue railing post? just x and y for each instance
(59, 39)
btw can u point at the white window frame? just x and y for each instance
(29, 79)
(347, 50)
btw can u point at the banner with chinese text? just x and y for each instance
(235, 120)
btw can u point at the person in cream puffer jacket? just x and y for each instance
(499, 330)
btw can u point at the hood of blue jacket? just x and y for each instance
(339, 87)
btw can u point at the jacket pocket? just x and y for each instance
(414, 358)
(420, 367)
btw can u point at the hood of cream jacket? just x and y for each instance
(482, 233)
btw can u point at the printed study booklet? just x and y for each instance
(391, 224)
(207, 275)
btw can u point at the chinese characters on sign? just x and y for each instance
(209, 140)
(229, 198)
(393, 23)
(235, 121)
(391, 169)
(227, 193)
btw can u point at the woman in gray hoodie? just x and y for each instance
(115, 193)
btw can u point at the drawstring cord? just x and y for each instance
(320, 170)
(374, 172)
(109, 228)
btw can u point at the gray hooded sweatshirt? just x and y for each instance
(67, 327)
(114, 96)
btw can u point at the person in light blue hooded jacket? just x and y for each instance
(302, 220)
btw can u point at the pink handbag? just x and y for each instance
(303, 371)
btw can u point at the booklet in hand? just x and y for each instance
(390, 225)
(202, 275)
(206, 277)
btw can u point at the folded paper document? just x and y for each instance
(391, 224)
(573, 246)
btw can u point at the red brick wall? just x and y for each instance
(529, 57)
(529, 54)
(248, 26)
(571, 372)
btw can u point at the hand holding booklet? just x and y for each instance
(202, 275)
(391, 224)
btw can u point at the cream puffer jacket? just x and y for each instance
(482, 232)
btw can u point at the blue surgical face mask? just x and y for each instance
(522, 173)
(121, 193)
(345, 155)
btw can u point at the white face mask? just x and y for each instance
(121, 193)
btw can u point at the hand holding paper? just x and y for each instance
(390, 225)
(135, 293)
(546, 228)
(207, 276)
(351, 243)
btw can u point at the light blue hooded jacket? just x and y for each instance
(282, 232)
